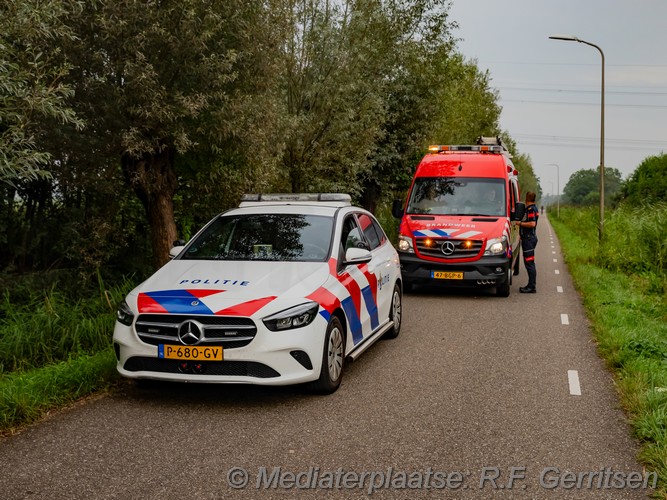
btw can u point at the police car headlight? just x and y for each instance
(124, 314)
(496, 246)
(405, 244)
(294, 317)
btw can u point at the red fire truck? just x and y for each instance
(456, 224)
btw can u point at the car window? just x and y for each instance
(279, 237)
(380, 232)
(350, 237)
(369, 230)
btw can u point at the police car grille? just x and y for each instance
(435, 249)
(225, 368)
(229, 332)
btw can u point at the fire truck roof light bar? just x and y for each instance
(476, 148)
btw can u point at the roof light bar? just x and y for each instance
(285, 197)
(478, 148)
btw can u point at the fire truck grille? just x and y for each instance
(443, 248)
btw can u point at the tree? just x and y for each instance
(583, 187)
(159, 80)
(648, 183)
(31, 83)
(332, 81)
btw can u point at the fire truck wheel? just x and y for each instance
(504, 289)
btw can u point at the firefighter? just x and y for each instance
(528, 233)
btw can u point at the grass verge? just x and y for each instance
(28, 396)
(629, 321)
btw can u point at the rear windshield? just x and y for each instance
(277, 237)
(458, 196)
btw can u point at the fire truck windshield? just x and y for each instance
(458, 196)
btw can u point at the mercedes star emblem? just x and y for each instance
(189, 333)
(448, 248)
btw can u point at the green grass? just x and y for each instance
(27, 396)
(48, 327)
(54, 348)
(622, 283)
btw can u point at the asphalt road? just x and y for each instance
(475, 387)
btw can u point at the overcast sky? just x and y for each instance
(550, 90)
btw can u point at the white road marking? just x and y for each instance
(564, 320)
(559, 289)
(573, 380)
(556, 271)
(554, 252)
(555, 260)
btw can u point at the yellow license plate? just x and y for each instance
(446, 275)
(190, 353)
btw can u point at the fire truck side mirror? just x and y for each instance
(519, 211)
(397, 209)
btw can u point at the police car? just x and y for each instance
(281, 290)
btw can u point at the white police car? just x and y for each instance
(281, 290)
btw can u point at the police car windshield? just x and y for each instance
(458, 196)
(274, 237)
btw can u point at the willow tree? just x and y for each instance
(331, 90)
(31, 84)
(157, 80)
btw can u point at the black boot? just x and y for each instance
(528, 289)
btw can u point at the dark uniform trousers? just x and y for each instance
(528, 244)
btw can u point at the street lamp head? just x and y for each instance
(568, 38)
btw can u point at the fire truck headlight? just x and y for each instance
(496, 246)
(405, 244)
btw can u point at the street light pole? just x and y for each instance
(570, 38)
(558, 184)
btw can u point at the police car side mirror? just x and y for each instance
(519, 211)
(175, 251)
(397, 209)
(357, 256)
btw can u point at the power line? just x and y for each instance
(563, 103)
(637, 142)
(591, 146)
(581, 91)
(542, 63)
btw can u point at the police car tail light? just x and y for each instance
(495, 246)
(405, 244)
(294, 317)
(124, 314)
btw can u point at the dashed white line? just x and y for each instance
(573, 380)
(555, 260)
(554, 252)
(556, 271)
(559, 289)
(564, 320)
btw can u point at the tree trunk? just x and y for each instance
(154, 181)
(370, 195)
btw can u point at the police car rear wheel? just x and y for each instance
(333, 358)
(395, 313)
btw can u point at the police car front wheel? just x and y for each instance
(395, 313)
(333, 358)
